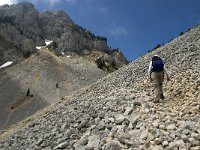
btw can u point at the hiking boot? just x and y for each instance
(162, 96)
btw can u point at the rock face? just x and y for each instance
(57, 26)
(19, 31)
(117, 112)
(22, 28)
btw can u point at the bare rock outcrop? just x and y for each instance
(58, 27)
(19, 30)
(23, 27)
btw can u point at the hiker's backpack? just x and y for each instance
(157, 64)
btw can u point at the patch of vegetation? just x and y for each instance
(181, 34)
(157, 46)
(7, 19)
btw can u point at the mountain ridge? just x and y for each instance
(23, 27)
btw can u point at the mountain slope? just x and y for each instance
(47, 77)
(117, 112)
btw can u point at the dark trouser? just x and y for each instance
(158, 78)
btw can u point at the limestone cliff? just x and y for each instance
(23, 27)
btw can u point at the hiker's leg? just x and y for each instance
(155, 78)
(160, 84)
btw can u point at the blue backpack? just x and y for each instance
(157, 64)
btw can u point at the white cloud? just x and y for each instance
(103, 10)
(72, 2)
(54, 2)
(9, 2)
(49, 2)
(117, 31)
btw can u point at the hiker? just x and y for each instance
(156, 73)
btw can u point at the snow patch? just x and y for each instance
(47, 42)
(62, 53)
(39, 47)
(6, 64)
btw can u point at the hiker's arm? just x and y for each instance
(149, 70)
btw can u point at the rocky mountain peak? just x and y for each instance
(57, 16)
(19, 10)
(24, 6)
(24, 28)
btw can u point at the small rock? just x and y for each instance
(157, 141)
(64, 127)
(144, 135)
(112, 145)
(83, 124)
(196, 136)
(195, 148)
(172, 135)
(111, 119)
(176, 144)
(119, 119)
(137, 103)
(157, 147)
(194, 142)
(184, 138)
(62, 145)
(198, 108)
(186, 132)
(101, 126)
(93, 141)
(68, 133)
(155, 124)
(171, 127)
(147, 145)
(125, 139)
(97, 120)
(172, 145)
(139, 125)
(39, 142)
(162, 126)
(150, 137)
(128, 111)
(190, 125)
(165, 143)
(83, 141)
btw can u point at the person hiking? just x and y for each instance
(156, 73)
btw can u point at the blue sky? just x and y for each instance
(134, 26)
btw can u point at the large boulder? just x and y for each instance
(108, 63)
